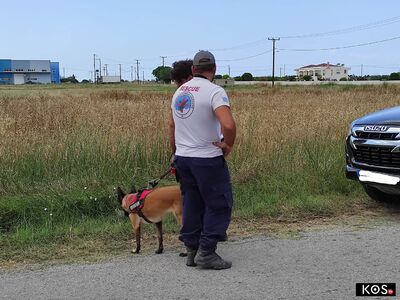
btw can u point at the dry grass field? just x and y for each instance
(63, 150)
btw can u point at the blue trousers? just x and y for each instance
(207, 200)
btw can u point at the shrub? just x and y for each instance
(247, 77)
(394, 76)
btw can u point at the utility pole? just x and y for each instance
(280, 71)
(143, 77)
(136, 74)
(229, 70)
(94, 69)
(361, 70)
(120, 73)
(284, 73)
(131, 73)
(163, 57)
(99, 59)
(106, 69)
(137, 71)
(273, 58)
(63, 72)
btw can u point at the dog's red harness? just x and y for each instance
(137, 203)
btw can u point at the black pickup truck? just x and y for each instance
(373, 154)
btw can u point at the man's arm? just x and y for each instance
(172, 134)
(228, 127)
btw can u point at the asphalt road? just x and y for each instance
(318, 265)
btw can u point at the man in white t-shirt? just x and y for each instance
(200, 116)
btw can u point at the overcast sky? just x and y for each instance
(236, 31)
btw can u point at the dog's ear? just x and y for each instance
(133, 189)
(120, 194)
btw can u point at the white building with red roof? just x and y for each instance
(325, 71)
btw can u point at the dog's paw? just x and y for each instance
(159, 250)
(182, 254)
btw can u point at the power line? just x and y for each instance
(360, 27)
(244, 58)
(241, 46)
(381, 67)
(367, 26)
(347, 30)
(343, 47)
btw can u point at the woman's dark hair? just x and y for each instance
(181, 70)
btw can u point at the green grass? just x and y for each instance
(57, 192)
(41, 213)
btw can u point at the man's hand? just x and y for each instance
(226, 149)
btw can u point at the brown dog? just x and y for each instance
(157, 204)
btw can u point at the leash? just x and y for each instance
(153, 183)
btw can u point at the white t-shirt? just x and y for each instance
(196, 125)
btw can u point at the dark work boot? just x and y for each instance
(191, 253)
(223, 238)
(208, 259)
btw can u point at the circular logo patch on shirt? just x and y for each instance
(184, 105)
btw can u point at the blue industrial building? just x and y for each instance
(29, 71)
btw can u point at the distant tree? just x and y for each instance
(247, 77)
(85, 81)
(290, 78)
(307, 77)
(162, 74)
(261, 78)
(218, 76)
(394, 76)
(71, 79)
(226, 76)
(343, 79)
(238, 78)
